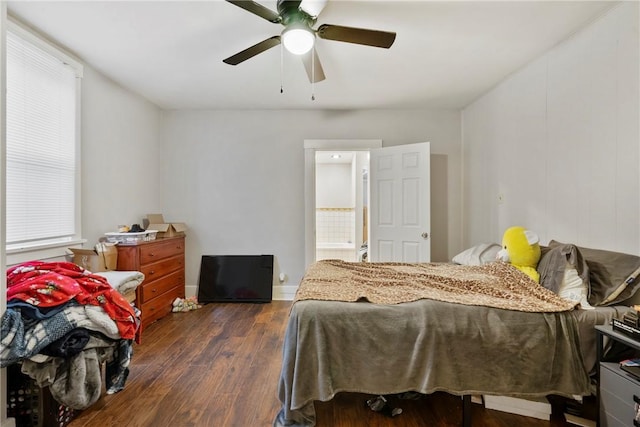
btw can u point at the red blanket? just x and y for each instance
(49, 284)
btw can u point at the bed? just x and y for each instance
(466, 329)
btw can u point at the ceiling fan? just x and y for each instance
(298, 36)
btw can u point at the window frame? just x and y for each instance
(53, 248)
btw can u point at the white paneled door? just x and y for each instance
(400, 217)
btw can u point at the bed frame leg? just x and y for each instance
(466, 410)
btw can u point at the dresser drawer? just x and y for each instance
(159, 307)
(161, 268)
(148, 291)
(153, 253)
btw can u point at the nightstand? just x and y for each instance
(618, 391)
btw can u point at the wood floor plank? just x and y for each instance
(219, 366)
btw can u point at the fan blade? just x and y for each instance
(313, 67)
(313, 7)
(252, 51)
(257, 9)
(356, 35)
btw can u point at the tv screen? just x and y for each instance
(230, 278)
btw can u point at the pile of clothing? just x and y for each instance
(61, 324)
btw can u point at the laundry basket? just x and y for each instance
(32, 406)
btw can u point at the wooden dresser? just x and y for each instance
(162, 263)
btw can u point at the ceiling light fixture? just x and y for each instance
(298, 39)
(335, 156)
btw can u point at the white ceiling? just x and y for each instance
(446, 53)
(333, 157)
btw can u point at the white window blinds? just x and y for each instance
(41, 144)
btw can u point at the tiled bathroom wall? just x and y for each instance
(335, 225)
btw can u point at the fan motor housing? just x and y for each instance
(290, 12)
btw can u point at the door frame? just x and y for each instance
(310, 148)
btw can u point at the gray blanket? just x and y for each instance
(587, 321)
(423, 346)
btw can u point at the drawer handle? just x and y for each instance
(154, 290)
(152, 272)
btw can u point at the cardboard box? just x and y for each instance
(103, 258)
(164, 229)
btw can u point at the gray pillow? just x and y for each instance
(554, 261)
(608, 272)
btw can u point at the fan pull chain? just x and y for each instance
(281, 68)
(313, 72)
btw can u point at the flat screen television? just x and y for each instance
(235, 278)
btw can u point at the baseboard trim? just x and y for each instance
(284, 292)
(190, 291)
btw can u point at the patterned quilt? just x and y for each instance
(497, 285)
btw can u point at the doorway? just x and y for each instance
(341, 205)
(359, 152)
(398, 214)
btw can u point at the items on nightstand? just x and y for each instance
(622, 326)
(631, 318)
(631, 366)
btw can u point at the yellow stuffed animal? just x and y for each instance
(521, 248)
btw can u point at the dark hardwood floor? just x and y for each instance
(219, 367)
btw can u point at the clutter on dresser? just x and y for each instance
(164, 228)
(131, 237)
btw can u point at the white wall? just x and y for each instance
(559, 141)
(334, 187)
(237, 177)
(120, 164)
(120, 156)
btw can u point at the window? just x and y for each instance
(42, 122)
